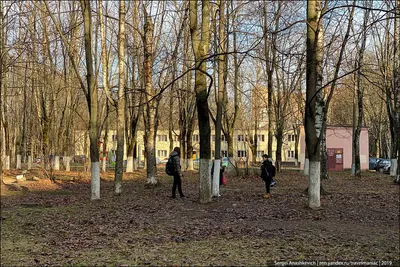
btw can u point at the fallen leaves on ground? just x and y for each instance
(56, 223)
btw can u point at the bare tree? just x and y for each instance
(395, 169)
(119, 167)
(150, 105)
(270, 59)
(200, 43)
(360, 96)
(220, 97)
(314, 101)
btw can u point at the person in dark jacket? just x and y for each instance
(176, 159)
(267, 172)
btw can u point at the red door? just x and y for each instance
(335, 159)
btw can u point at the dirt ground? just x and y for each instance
(56, 224)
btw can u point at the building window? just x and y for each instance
(290, 154)
(223, 138)
(240, 137)
(260, 153)
(161, 153)
(261, 137)
(224, 153)
(213, 153)
(162, 138)
(241, 153)
(195, 138)
(114, 137)
(213, 138)
(176, 138)
(292, 137)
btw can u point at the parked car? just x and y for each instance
(383, 165)
(372, 163)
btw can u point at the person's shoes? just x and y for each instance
(182, 197)
(267, 195)
(273, 183)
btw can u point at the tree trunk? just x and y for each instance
(270, 63)
(119, 166)
(92, 101)
(231, 121)
(57, 163)
(395, 170)
(150, 103)
(220, 97)
(296, 145)
(200, 49)
(18, 162)
(314, 102)
(360, 96)
(2, 76)
(324, 155)
(279, 143)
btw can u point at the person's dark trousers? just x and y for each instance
(268, 184)
(177, 182)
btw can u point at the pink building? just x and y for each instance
(339, 147)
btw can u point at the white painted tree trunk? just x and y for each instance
(190, 166)
(57, 163)
(104, 164)
(205, 181)
(306, 167)
(18, 162)
(129, 164)
(117, 187)
(7, 162)
(151, 179)
(314, 184)
(29, 162)
(353, 169)
(215, 181)
(135, 164)
(67, 162)
(393, 168)
(95, 180)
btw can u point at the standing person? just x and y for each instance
(176, 159)
(267, 170)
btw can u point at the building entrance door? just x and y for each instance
(335, 159)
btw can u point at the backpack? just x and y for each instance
(273, 171)
(170, 167)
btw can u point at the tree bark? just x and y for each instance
(220, 97)
(150, 105)
(314, 102)
(230, 121)
(119, 166)
(360, 96)
(92, 101)
(395, 170)
(201, 49)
